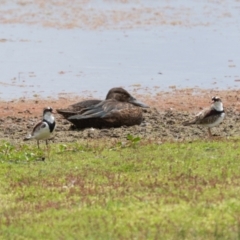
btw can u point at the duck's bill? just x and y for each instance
(138, 103)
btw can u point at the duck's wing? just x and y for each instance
(77, 107)
(84, 104)
(104, 109)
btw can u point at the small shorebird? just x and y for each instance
(43, 129)
(209, 117)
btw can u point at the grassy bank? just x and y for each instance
(131, 190)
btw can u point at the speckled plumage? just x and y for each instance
(209, 117)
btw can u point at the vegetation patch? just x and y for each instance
(133, 189)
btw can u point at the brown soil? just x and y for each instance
(162, 121)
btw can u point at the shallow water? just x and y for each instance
(196, 46)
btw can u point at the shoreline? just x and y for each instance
(189, 99)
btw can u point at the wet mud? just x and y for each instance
(161, 122)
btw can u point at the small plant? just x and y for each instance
(75, 147)
(62, 148)
(131, 142)
(19, 153)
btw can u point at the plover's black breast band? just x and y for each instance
(214, 112)
(220, 111)
(51, 125)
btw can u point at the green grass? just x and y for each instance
(131, 190)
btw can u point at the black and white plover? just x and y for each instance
(44, 129)
(209, 117)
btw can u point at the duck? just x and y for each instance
(209, 117)
(44, 129)
(118, 109)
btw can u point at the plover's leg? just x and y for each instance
(38, 144)
(209, 132)
(47, 148)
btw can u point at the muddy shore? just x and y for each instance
(162, 121)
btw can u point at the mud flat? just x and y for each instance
(162, 121)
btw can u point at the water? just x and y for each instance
(197, 46)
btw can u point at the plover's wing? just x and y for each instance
(39, 130)
(209, 116)
(35, 130)
(200, 117)
(206, 116)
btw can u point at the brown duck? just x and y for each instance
(120, 108)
